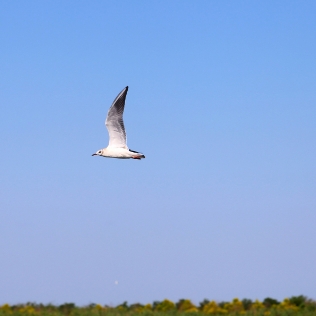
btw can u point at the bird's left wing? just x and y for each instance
(114, 121)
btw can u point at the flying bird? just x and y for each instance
(117, 147)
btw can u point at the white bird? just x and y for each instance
(117, 147)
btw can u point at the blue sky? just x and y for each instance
(221, 102)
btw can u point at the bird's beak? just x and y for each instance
(94, 155)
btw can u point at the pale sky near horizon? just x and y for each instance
(221, 101)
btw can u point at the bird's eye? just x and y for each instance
(99, 152)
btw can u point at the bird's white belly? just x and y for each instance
(117, 153)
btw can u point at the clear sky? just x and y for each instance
(222, 103)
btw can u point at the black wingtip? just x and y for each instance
(126, 88)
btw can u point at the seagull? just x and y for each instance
(117, 147)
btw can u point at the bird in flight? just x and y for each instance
(117, 147)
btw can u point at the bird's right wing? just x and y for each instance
(114, 121)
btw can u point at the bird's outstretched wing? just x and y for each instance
(114, 121)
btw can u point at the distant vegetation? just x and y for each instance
(295, 305)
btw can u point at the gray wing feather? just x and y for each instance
(114, 121)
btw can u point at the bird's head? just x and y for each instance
(98, 153)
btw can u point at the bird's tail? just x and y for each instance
(139, 156)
